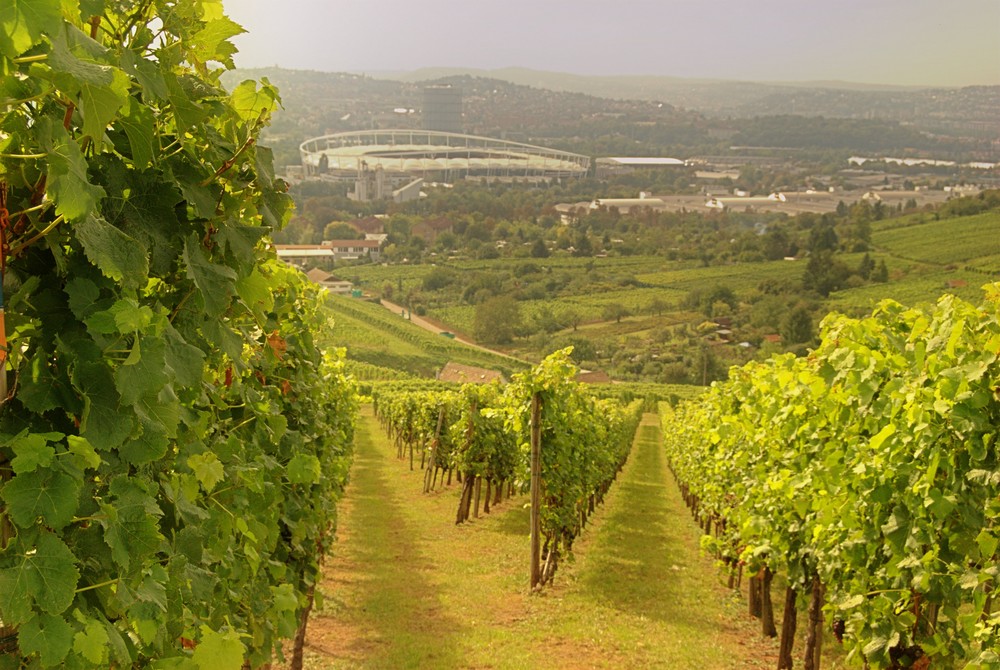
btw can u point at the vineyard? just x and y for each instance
(377, 337)
(542, 432)
(178, 414)
(866, 475)
(964, 238)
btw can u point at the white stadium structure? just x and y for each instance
(426, 153)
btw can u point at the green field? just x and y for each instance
(662, 326)
(946, 242)
(377, 337)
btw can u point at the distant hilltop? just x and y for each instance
(739, 98)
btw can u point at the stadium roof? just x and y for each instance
(419, 152)
(639, 161)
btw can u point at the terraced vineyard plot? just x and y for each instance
(949, 241)
(374, 335)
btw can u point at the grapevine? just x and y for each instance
(172, 438)
(865, 472)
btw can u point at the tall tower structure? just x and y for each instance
(443, 108)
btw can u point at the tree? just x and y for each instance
(658, 306)
(881, 273)
(823, 238)
(614, 311)
(797, 326)
(497, 320)
(824, 273)
(338, 230)
(571, 318)
(539, 249)
(865, 267)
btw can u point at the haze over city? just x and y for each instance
(904, 42)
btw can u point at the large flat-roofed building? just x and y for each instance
(443, 108)
(335, 250)
(606, 167)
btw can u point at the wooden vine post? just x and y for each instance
(814, 634)
(536, 489)
(788, 626)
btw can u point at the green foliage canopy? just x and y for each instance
(173, 439)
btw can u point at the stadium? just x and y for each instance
(434, 154)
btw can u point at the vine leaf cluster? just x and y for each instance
(174, 436)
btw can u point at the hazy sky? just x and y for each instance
(923, 42)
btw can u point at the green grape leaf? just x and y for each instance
(284, 597)
(147, 620)
(162, 412)
(84, 450)
(226, 339)
(988, 542)
(207, 469)
(82, 293)
(67, 184)
(184, 360)
(50, 494)
(241, 241)
(147, 375)
(187, 113)
(118, 256)
(46, 574)
(32, 450)
(215, 282)
(211, 42)
(104, 423)
(142, 204)
(275, 207)
(149, 445)
(251, 103)
(219, 651)
(147, 73)
(139, 127)
(130, 316)
(102, 89)
(202, 198)
(131, 533)
(47, 635)
(40, 390)
(304, 469)
(92, 642)
(257, 293)
(22, 23)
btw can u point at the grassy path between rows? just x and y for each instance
(406, 588)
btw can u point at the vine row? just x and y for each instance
(867, 473)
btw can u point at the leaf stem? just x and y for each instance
(48, 229)
(229, 163)
(24, 156)
(30, 59)
(97, 586)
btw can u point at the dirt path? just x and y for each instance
(379, 584)
(406, 588)
(437, 329)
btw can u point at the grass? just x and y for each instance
(406, 588)
(376, 337)
(947, 241)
